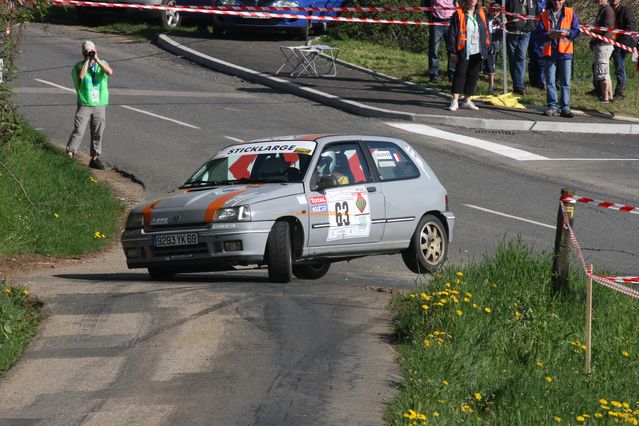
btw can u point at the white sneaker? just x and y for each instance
(470, 105)
(453, 105)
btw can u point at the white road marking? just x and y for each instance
(234, 139)
(161, 117)
(509, 216)
(140, 92)
(506, 151)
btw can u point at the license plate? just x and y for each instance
(175, 240)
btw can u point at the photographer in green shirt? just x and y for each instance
(90, 78)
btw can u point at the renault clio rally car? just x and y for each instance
(296, 204)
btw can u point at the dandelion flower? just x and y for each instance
(616, 404)
(517, 314)
(557, 419)
(25, 292)
(7, 290)
(548, 379)
(598, 415)
(92, 179)
(459, 312)
(459, 274)
(625, 353)
(487, 310)
(581, 419)
(539, 364)
(477, 396)
(435, 413)
(445, 382)
(410, 414)
(55, 215)
(425, 307)
(603, 402)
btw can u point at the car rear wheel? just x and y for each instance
(279, 253)
(170, 18)
(161, 274)
(311, 271)
(428, 246)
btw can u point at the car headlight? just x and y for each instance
(229, 3)
(134, 221)
(285, 3)
(233, 214)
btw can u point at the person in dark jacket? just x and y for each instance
(467, 41)
(624, 20)
(536, 71)
(517, 39)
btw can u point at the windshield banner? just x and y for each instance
(271, 147)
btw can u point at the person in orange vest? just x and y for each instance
(557, 29)
(467, 41)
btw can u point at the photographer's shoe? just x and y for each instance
(97, 164)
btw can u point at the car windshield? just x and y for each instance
(271, 167)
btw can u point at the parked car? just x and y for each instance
(300, 28)
(296, 204)
(93, 15)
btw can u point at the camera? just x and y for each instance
(92, 54)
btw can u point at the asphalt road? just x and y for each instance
(232, 348)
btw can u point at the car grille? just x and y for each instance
(180, 250)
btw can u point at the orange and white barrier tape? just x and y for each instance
(605, 281)
(603, 204)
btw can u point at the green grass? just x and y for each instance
(411, 66)
(19, 317)
(502, 350)
(51, 205)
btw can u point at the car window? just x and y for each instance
(345, 162)
(391, 161)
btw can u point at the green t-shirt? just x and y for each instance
(93, 90)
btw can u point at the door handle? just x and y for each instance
(371, 189)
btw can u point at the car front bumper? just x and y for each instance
(218, 245)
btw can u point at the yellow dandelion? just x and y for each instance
(517, 314)
(625, 353)
(603, 402)
(616, 404)
(477, 396)
(92, 179)
(487, 310)
(25, 292)
(557, 419)
(539, 364)
(548, 379)
(583, 347)
(444, 382)
(421, 417)
(475, 305)
(425, 307)
(581, 419)
(427, 343)
(466, 299)
(459, 274)
(410, 414)
(441, 401)
(494, 285)
(459, 312)
(599, 415)
(55, 215)
(435, 413)
(7, 290)
(412, 295)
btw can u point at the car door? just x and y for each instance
(353, 210)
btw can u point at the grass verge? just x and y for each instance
(19, 317)
(413, 67)
(51, 205)
(490, 344)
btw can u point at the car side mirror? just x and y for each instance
(329, 181)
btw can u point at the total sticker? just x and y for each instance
(349, 213)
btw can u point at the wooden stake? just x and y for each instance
(588, 320)
(561, 258)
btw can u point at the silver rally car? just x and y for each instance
(295, 204)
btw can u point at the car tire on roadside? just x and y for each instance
(279, 253)
(428, 246)
(170, 19)
(311, 271)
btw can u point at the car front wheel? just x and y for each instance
(311, 271)
(428, 246)
(170, 18)
(279, 253)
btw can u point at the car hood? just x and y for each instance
(200, 205)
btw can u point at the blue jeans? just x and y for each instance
(563, 66)
(517, 46)
(619, 56)
(436, 34)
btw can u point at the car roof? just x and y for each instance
(327, 138)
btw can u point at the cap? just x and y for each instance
(88, 45)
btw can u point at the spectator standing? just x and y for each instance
(603, 51)
(90, 78)
(517, 40)
(536, 72)
(624, 20)
(494, 28)
(444, 9)
(556, 30)
(467, 42)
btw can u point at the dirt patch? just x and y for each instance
(122, 187)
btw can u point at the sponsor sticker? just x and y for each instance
(382, 155)
(317, 199)
(270, 147)
(319, 208)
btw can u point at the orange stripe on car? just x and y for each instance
(147, 213)
(209, 216)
